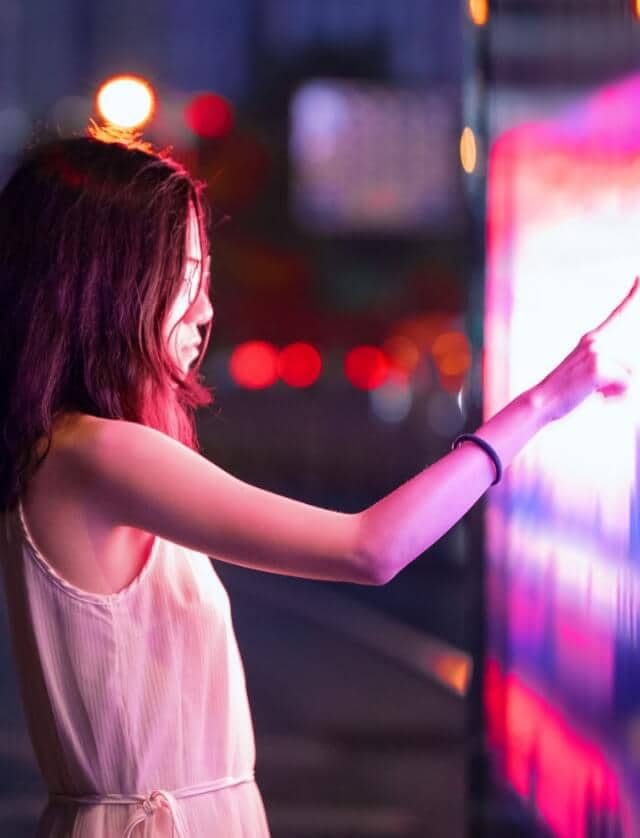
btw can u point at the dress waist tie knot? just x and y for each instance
(153, 800)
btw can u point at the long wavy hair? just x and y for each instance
(92, 255)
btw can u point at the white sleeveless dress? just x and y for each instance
(136, 701)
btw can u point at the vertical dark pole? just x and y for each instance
(475, 116)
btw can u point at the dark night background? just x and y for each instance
(356, 734)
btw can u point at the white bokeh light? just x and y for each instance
(126, 101)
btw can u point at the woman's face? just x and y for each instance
(191, 307)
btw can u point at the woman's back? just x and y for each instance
(131, 690)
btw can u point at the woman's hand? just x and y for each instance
(595, 365)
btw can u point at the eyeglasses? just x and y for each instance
(192, 270)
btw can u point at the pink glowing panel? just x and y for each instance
(562, 531)
(564, 202)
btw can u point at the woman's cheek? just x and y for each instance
(173, 319)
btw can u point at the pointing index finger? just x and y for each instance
(620, 307)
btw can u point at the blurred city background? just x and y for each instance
(347, 146)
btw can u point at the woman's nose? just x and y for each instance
(201, 311)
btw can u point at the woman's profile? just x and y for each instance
(131, 680)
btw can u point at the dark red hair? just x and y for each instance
(92, 255)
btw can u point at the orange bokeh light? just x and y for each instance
(402, 353)
(452, 354)
(478, 11)
(468, 150)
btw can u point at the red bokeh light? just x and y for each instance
(209, 115)
(366, 367)
(299, 364)
(254, 364)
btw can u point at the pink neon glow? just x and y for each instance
(556, 768)
(560, 254)
(563, 595)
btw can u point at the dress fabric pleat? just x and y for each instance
(135, 702)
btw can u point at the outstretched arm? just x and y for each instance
(139, 477)
(142, 478)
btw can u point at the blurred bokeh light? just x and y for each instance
(366, 367)
(299, 364)
(126, 101)
(402, 353)
(478, 11)
(392, 400)
(254, 364)
(209, 115)
(468, 150)
(452, 356)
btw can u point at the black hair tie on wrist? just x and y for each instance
(482, 443)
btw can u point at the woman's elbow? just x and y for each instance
(371, 564)
(370, 567)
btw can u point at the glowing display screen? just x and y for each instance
(562, 676)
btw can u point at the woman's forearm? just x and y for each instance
(403, 524)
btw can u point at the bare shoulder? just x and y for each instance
(68, 521)
(104, 453)
(72, 433)
(73, 455)
(85, 436)
(94, 448)
(67, 477)
(139, 476)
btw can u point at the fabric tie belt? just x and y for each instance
(153, 800)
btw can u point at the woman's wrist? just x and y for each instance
(509, 430)
(543, 405)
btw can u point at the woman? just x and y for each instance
(131, 680)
